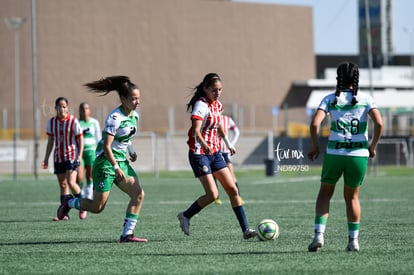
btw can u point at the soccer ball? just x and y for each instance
(267, 230)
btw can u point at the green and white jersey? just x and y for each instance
(349, 128)
(123, 128)
(91, 133)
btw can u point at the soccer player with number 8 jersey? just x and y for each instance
(347, 151)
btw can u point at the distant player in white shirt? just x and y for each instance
(347, 151)
(229, 126)
(91, 136)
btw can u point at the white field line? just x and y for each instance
(179, 202)
(286, 180)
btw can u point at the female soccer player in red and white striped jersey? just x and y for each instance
(204, 153)
(65, 133)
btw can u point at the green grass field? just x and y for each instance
(31, 243)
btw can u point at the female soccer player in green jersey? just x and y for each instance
(111, 164)
(91, 136)
(347, 151)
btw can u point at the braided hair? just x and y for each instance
(209, 79)
(120, 83)
(347, 75)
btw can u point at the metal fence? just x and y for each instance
(169, 152)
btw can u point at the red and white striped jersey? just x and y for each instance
(65, 133)
(228, 124)
(210, 114)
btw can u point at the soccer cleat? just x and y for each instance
(132, 239)
(64, 208)
(217, 201)
(353, 245)
(56, 219)
(184, 223)
(82, 214)
(316, 243)
(249, 233)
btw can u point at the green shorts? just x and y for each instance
(104, 174)
(353, 169)
(88, 157)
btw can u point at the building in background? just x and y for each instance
(380, 13)
(166, 47)
(264, 54)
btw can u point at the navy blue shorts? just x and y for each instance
(62, 167)
(227, 157)
(206, 164)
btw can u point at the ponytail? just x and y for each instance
(120, 84)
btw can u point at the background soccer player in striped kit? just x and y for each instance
(229, 126)
(65, 133)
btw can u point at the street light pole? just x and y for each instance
(35, 92)
(410, 34)
(370, 63)
(15, 23)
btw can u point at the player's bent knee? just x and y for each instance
(100, 208)
(210, 197)
(137, 195)
(233, 192)
(93, 207)
(141, 195)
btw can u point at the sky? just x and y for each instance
(335, 18)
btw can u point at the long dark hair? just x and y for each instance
(118, 83)
(347, 75)
(209, 79)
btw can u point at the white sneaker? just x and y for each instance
(184, 223)
(316, 243)
(353, 244)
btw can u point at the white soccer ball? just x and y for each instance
(267, 230)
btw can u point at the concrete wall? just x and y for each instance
(165, 46)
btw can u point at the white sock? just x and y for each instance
(320, 228)
(129, 226)
(89, 191)
(353, 234)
